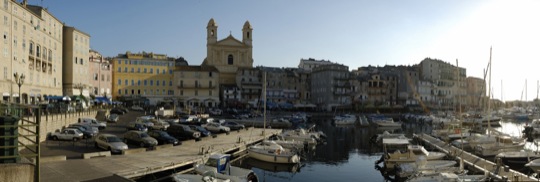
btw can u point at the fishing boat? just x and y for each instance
(272, 152)
(413, 153)
(219, 164)
(502, 144)
(517, 159)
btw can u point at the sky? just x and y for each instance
(355, 33)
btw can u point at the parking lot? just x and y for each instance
(74, 150)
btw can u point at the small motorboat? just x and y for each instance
(413, 153)
(407, 169)
(534, 165)
(207, 177)
(289, 144)
(219, 164)
(517, 159)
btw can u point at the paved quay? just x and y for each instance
(138, 164)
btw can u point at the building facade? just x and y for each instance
(330, 86)
(249, 81)
(476, 92)
(229, 54)
(445, 76)
(31, 46)
(101, 80)
(196, 86)
(143, 74)
(310, 64)
(75, 70)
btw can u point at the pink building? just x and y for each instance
(101, 75)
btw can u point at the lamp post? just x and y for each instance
(19, 80)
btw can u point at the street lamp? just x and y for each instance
(19, 80)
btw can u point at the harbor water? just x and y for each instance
(348, 154)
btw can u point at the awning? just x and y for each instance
(5, 94)
(15, 95)
(58, 98)
(102, 100)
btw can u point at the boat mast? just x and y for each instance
(264, 101)
(460, 115)
(489, 94)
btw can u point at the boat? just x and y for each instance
(517, 159)
(502, 144)
(207, 177)
(219, 164)
(445, 177)
(382, 121)
(289, 144)
(532, 129)
(274, 153)
(534, 165)
(378, 139)
(473, 140)
(407, 169)
(303, 135)
(273, 167)
(413, 153)
(345, 119)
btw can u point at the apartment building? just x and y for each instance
(100, 84)
(76, 64)
(445, 76)
(249, 82)
(143, 74)
(311, 63)
(31, 46)
(196, 86)
(331, 86)
(476, 92)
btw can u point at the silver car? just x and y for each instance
(140, 138)
(110, 142)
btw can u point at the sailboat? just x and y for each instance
(271, 151)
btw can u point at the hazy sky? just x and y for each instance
(355, 33)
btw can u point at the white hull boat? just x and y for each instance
(408, 169)
(197, 178)
(502, 144)
(346, 119)
(414, 153)
(302, 135)
(288, 144)
(534, 165)
(445, 177)
(219, 165)
(273, 153)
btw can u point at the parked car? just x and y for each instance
(146, 121)
(110, 142)
(137, 108)
(204, 132)
(86, 133)
(139, 138)
(92, 129)
(216, 128)
(234, 125)
(215, 111)
(136, 126)
(93, 122)
(159, 124)
(181, 131)
(117, 111)
(67, 134)
(163, 137)
(113, 118)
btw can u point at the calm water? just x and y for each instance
(347, 155)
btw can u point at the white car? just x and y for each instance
(110, 142)
(93, 122)
(216, 128)
(137, 108)
(67, 134)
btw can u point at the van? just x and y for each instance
(92, 122)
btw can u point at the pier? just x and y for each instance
(496, 172)
(135, 163)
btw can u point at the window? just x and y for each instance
(75, 60)
(163, 71)
(38, 51)
(119, 82)
(151, 82)
(145, 82)
(151, 70)
(44, 53)
(132, 70)
(230, 59)
(209, 74)
(126, 91)
(102, 77)
(132, 82)
(82, 63)
(126, 82)
(196, 84)
(138, 70)
(170, 83)
(119, 61)
(170, 72)
(138, 82)
(50, 54)
(119, 92)
(119, 69)
(95, 76)
(157, 71)
(31, 48)
(196, 92)
(163, 82)
(144, 70)
(181, 83)
(157, 82)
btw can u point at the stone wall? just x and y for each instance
(19, 172)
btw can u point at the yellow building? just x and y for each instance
(143, 74)
(76, 64)
(31, 46)
(197, 86)
(228, 54)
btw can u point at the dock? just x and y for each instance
(496, 172)
(136, 163)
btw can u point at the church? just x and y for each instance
(229, 54)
